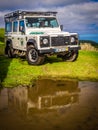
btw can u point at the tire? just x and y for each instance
(33, 56)
(10, 51)
(70, 56)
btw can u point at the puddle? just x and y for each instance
(50, 105)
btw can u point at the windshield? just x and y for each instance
(41, 22)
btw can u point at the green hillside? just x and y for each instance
(1, 34)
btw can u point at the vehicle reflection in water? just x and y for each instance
(50, 105)
(45, 94)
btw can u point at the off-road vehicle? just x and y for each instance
(36, 35)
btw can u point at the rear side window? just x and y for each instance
(8, 27)
(15, 26)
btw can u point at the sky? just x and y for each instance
(79, 16)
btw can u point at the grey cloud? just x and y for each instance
(17, 4)
(78, 17)
(75, 15)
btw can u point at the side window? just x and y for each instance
(15, 26)
(54, 23)
(21, 26)
(8, 27)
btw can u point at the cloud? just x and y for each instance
(17, 4)
(2, 13)
(77, 15)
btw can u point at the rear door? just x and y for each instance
(14, 34)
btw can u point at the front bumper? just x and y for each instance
(59, 49)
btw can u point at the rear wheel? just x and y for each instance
(10, 51)
(70, 56)
(33, 56)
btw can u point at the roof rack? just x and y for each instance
(22, 13)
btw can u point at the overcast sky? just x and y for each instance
(76, 15)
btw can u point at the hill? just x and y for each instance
(2, 34)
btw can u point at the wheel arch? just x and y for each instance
(9, 41)
(32, 42)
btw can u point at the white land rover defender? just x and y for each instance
(36, 35)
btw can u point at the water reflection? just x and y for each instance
(3, 99)
(45, 94)
(50, 105)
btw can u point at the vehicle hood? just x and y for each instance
(58, 33)
(50, 33)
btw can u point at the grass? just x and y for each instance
(2, 34)
(16, 71)
(1, 41)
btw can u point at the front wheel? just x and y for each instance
(33, 57)
(70, 56)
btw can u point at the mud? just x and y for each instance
(50, 105)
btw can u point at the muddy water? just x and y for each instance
(50, 105)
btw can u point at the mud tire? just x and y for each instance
(10, 51)
(70, 56)
(33, 56)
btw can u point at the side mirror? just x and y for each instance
(61, 26)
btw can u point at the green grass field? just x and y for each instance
(16, 71)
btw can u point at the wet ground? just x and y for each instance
(50, 105)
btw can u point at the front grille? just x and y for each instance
(60, 41)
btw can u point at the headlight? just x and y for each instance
(45, 41)
(72, 39)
